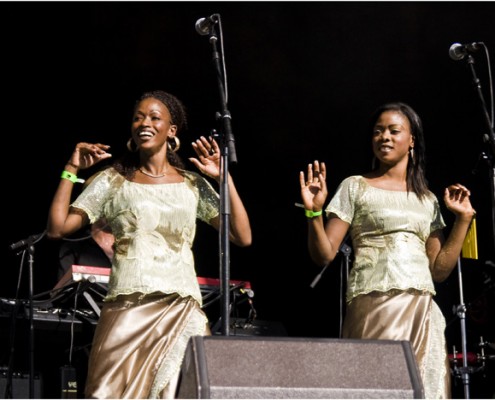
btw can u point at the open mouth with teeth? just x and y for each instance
(145, 134)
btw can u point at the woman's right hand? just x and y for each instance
(314, 189)
(86, 155)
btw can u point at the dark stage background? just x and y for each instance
(302, 80)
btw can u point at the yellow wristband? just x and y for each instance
(71, 177)
(311, 213)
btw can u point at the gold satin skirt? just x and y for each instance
(412, 316)
(139, 345)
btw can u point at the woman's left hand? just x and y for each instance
(208, 161)
(456, 198)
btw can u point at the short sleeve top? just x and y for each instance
(389, 230)
(154, 227)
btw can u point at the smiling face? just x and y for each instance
(392, 138)
(151, 124)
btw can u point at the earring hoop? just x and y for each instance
(129, 146)
(411, 153)
(175, 146)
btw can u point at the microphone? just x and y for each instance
(204, 26)
(458, 51)
(26, 242)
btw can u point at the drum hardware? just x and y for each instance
(464, 371)
(240, 293)
(483, 357)
(476, 360)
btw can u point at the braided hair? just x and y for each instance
(129, 163)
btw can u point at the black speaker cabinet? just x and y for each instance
(20, 388)
(227, 367)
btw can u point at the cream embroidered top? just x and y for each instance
(388, 230)
(154, 228)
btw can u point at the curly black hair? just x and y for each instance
(174, 105)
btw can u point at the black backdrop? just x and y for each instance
(302, 78)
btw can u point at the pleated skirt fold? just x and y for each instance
(139, 344)
(400, 315)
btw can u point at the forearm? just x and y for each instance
(321, 249)
(59, 209)
(240, 227)
(448, 255)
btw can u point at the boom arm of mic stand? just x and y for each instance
(490, 138)
(489, 124)
(224, 116)
(346, 251)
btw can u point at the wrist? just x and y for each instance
(71, 167)
(466, 217)
(71, 177)
(312, 214)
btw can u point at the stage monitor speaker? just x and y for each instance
(227, 367)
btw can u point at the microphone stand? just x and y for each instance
(489, 137)
(29, 244)
(31, 324)
(461, 313)
(346, 251)
(461, 308)
(228, 155)
(345, 263)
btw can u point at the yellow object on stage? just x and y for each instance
(470, 245)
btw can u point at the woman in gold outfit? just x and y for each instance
(153, 304)
(395, 225)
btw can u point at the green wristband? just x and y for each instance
(71, 177)
(311, 213)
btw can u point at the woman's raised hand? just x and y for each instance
(456, 198)
(314, 190)
(208, 160)
(86, 155)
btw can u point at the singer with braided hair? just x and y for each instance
(151, 203)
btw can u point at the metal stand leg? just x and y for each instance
(461, 313)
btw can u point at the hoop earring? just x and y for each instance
(175, 146)
(411, 153)
(129, 146)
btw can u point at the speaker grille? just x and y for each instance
(231, 367)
